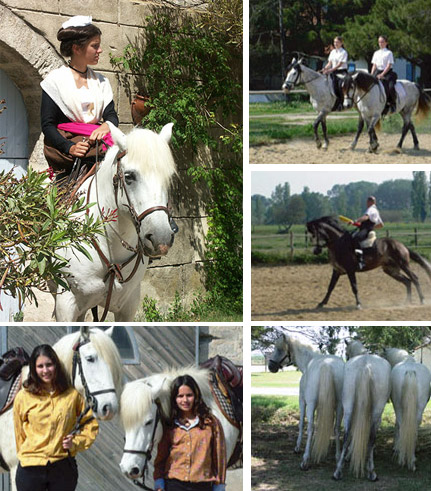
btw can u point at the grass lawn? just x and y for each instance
(288, 378)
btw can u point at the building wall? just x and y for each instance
(29, 50)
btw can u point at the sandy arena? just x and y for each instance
(291, 293)
(304, 151)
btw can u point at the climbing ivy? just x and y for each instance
(191, 70)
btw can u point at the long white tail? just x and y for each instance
(406, 444)
(361, 421)
(324, 422)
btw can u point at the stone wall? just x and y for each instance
(29, 50)
(225, 341)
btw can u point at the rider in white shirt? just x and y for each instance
(383, 61)
(368, 221)
(337, 65)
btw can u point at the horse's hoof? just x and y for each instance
(337, 476)
(318, 144)
(304, 466)
(296, 450)
(320, 306)
(358, 306)
(416, 147)
(352, 147)
(373, 477)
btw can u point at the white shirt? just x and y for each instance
(382, 58)
(336, 56)
(374, 215)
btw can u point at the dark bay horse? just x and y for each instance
(389, 254)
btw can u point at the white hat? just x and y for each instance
(78, 21)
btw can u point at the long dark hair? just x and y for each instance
(80, 36)
(199, 408)
(33, 383)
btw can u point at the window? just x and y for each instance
(124, 339)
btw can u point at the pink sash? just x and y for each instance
(85, 129)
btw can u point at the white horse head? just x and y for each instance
(101, 377)
(397, 355)
(140, 180)
(281, 356)
(293, 76)
(142, 400)
(355, 348)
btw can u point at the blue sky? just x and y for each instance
(264, 182)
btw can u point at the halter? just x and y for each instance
(91, 401)
(148, 452)
(279, 363)
(114, 270)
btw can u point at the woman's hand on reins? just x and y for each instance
(80, 149)
(99, 133)
(68, 442)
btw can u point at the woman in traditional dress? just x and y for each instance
(76, 94)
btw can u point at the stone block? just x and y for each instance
(133, 13)
(101, 10)
(38, 5)
(216, 344)
(189, 198)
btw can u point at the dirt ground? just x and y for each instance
(275, 467)
(304, 151)
(293, 292)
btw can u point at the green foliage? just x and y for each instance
(375, 338)
(36, 220)
(204, 307)
(187, 64)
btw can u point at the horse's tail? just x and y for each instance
(406, 443)
(361, 421)
(424, 104)
(417, 258)
(324, 423)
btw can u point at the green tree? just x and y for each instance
(316, 204)
(419, 196)
(376, 338)
(295, 212)
(279, 202)
(259, 205)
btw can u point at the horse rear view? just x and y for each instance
(366, 390)
(410, 394)
(320, 392)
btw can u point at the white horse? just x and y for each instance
(101, 374)
(133, 179)
(369, 97)
(320, 390)
(366, 391)
(144, 403)
(322, 95)
(410, 394)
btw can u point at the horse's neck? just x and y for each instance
(332, 233)
(314, 82)
(302, 355)
(399, 355)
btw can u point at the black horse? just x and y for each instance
(391, 255)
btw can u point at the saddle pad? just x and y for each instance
(369, 241)
(401, 91)
(13, 390)
(222, 398)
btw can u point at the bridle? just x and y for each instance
(148, 452)
(90, 397)
(353, 86)
(292, 83)
(114, 270)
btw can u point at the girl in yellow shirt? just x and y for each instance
(192, 453)
(45, 413)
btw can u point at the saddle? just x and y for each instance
(11, 364)
(226, 385)
(369, 241)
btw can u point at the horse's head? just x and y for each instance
(143, 169)
(355, 348)
(348, 86)
(281, 356)
(94, 364)
(324, 229)
(396, 355)
(293, 75)
(141, 413)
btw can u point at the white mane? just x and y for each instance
(150, 153)
(136, 399)
(104, 346)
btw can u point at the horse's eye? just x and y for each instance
(90, 359)
(148, 422)
(129, 177)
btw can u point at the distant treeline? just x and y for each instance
(399, 200)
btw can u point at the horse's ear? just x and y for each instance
(293, 61)
(347, 342)
(109, 332)
(301, 60)
(118, 136)
(166, 132)
(158, 388)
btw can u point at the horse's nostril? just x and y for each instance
(134, 471)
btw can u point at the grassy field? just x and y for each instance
(276, 128)
(289, 378)
(276, 467)
(268, 248)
